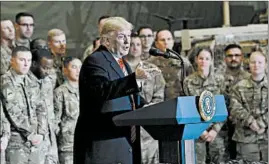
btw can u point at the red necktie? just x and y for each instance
(133, 129)
(121, 63)
(122, 66)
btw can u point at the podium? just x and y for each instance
(176, 123)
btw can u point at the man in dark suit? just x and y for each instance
(108, 88)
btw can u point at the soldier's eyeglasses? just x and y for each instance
(27, 25)
(233, 55)
(145, 36)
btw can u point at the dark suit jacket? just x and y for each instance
(104, 93)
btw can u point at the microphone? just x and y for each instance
(156, 52)
(168, 54)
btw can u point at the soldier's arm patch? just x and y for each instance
(8, 92)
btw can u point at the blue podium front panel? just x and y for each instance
(187, 110)
(194, 131)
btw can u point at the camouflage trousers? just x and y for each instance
(20, 152)
(217, 150)
(2, 157)
(66, 157)
(149, 148)
(51, 150)
(245, 162)
(252, 152)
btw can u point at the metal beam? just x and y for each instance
(222, 39)
(225, 34)
(226, 14)
(224, 31)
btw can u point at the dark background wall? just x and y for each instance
(79, 19)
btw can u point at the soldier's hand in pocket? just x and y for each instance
(254, 126)
(36, 139)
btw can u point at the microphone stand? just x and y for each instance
(178, 57)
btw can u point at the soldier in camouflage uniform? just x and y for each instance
(57, 46)
(24, 110)
(249, 111)
(201, 80)
(24, 26)
(233, 74)
(4, 133)
(172, 69)
(241, 161)
(66, 106)
(38, 43)
(152, 92)
(147, 38)
(42, 67)
(96, 43)
(7, 44)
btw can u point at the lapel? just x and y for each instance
(115, 66)
(113, 63)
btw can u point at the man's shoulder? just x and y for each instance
(97, 55)
(6, 77)
(149, 65)
(244, 83)
(65, 87)
(59, 93)
(245, 74)
(33, 80)
(154, 59)
(60, 88)
(5, 51)
(7, 85)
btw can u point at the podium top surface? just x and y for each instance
(181, 110)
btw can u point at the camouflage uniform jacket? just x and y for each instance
(195, 84)
(249, 103)
(5, 59)
(25, 43)
(145, 56)
(47, 86)
(66, 107)
(23, 105)
(58, 65)
(172, 73)
(4, 124)
(232, 77)
(153, 87)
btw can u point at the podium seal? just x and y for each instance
(207, 105)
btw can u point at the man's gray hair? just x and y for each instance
(112, 24)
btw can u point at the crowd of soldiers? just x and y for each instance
(40, 95)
